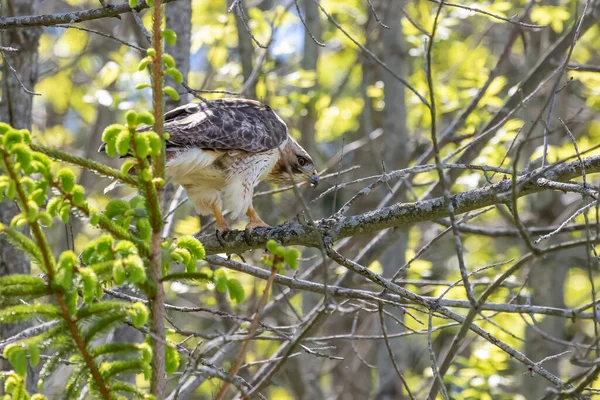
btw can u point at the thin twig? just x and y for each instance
(391, 352)
(9, 65)
(489, 14)
(240, 358)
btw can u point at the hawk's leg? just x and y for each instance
(221, 222)
(255, 220)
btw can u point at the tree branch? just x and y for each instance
(295, 233)
(70, 17)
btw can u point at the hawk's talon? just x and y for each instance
(247, 239)
(220, 238)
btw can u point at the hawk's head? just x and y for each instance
(296, 160)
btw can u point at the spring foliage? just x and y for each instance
(69, 293)
(71, 290)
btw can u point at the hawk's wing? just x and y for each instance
(227, 124)
(230, 124)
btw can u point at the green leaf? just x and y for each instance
(155, 142)
(139, 314)
(125, 248)
(175, 74)
(116, 208)
(12, 138)
(145, 118)
(39, 196)
(98, 250)
(142, 66)
(111, 148)
(291, 257)
(23, 156)
(34, 355)
(144, 228)
(71, 299)
(49, 367)
(123, 141)
(171, 360)
(146, 175)
(142, 146)
(64, 212)
(131, 117)
(134, 267)
(90, 284)
(168, 60)
(111, 132)
(78, 195)
(169, 35)
(17, 357)
(193, 245)
(133, 3)
(272, 246)
(127, 165)
(138, 202)
(119, 274)
(172, 93)
(66, 263)
(220, 281)
(280, 251)
(141, 86)
(4, 127)
(236, 290)
(66, 179)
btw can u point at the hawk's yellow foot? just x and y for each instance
(255, 220)
(221, 222)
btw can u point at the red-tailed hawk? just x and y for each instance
(219, 150)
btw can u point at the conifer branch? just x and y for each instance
(49, 263)
(105, 223)
(88, 164)
(157, 300)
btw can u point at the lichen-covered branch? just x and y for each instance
(296, 233)
(71, 17)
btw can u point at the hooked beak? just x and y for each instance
(314, 178)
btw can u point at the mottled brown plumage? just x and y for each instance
(219, 150)
(228, 124)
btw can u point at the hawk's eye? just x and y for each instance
(302, 161)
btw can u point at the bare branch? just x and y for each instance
(295, 233)
(70, 17)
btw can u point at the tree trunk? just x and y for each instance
(179, 16)
(16, 110)
(309, 62)
(547, 277)
(245, 47)
(395, 155)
